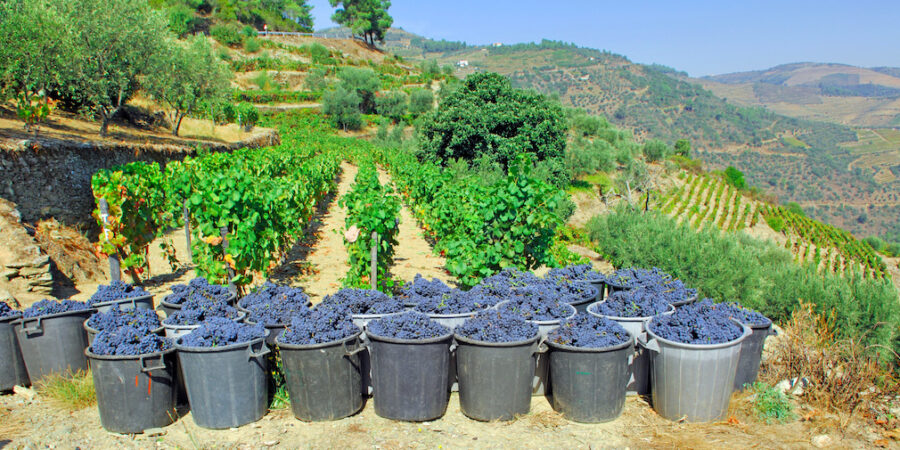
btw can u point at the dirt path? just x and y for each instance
(413, 254)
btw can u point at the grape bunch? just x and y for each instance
(633, 277)
(7, 312)
(195, 311)
(420, 289)
(128, 340)
(587, 331)
(455, 302)
(407, 325)
(497, 326)
(197, 289)
(117, 290)
(513, 277)
(633, 303)
(538, 302)
(46, 307)
(362, 301)
(219, 332)
(698, 323)
(743, 315)
(319, 326)
(575, 291)
(275, 305)
(577, 272)
(498, 288)
(141, 319)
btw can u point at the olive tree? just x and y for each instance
(185, 75)
(33, 46)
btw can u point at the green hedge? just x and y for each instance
(736, 267)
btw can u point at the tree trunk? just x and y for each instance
(179, 118)
(104, 123)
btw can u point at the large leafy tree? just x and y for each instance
(342, 105)
(487, 118)
(33, 45)
(365, 83)
(185, 75)
(366, 18)
(112, 44)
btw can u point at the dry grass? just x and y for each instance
(70, 250)
(546, 419)
(72, 392)
(11, 425)
(842, 373)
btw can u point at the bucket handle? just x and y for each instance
(37, 329)
(347, 352)
(540, 347)
(652, 345)
(262, 352)
(145, 369)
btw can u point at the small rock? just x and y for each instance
(10, 273)
(27, 393)
(150, 432)
(270, 443)
(40, 261)
(32, 271)
(822, 441)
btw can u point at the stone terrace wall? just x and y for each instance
(52, 178)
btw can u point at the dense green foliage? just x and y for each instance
(486, 118)
(190, 16)
(185, 77)
(392, 104)
(421, 101)
(371, 207)
(480, 226)
(730, 267)
(261, 197)
(342, 106)
(366, 18)
(364, 82)
(735, 178)
(656, 150)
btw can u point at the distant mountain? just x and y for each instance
(837, 93)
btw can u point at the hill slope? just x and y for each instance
(814, 163)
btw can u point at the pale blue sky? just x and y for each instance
(699, 37)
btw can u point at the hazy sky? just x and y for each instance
(699, 37)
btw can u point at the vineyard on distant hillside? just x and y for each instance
(706, 201)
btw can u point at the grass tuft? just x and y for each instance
(772, 405)
(70, 391)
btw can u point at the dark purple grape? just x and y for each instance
(320, 326)
(407, 325)
(117, 290)
(141, 319)
(219, 332)
(128, 340)
(538, 302)
(699, 323)
(363, 301)
(195, 311)
(577, 272)
(455, 302)
(497, 326)
(197, 289)
(633, 303)
(7, 312)
(587, 331)
(46, 307)
(275, 305)
(743, 315)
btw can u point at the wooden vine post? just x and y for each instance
(187, 231)
(231, 287)
(115, 270)
(373, 277)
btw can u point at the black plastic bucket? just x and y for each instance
(135, 393)
(495, 378)
(323, 380)
(126, 304)
(751, 355)
(226, 386)
(12, 367)
(53, 343)
(589, 383)
(410, 377)
(452, 321)
(274, 330)
(365, 360)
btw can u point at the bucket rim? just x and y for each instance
(224, 348)
(469, 341)
(121, 301)
(390, 340)
(737, 341)
(627, 319)
(92, 355)
(11, 318)
(334, 343)
(241, 316)
(23, 319)
(572, 349)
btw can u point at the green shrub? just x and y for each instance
(772, 405)
(656, 150)
(251, 44)
(247, 115)
(342, 106)
(775, 223)
(391, 104)
(227, 34)
(182, 20)
(757, 274)
(421, 101)
(249, 31)
(735, 178)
